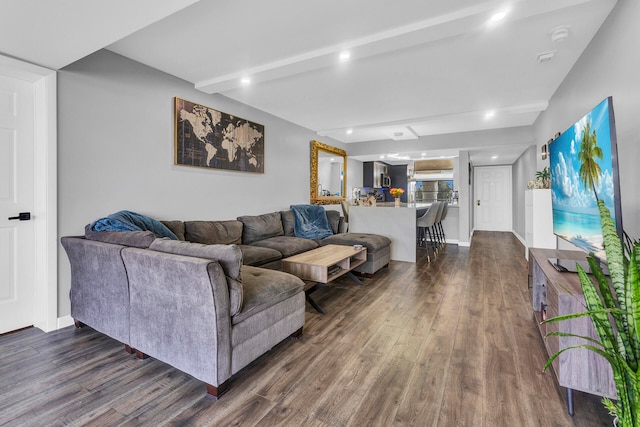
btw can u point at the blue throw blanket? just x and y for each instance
(310, 222)
(132, 221)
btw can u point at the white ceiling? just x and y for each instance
(417, 67)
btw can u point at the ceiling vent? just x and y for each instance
(546, 56)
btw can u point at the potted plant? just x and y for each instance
(542, 181)
(615, 312)
(543, 178)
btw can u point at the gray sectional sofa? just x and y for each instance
(266, 239)
(205, 303)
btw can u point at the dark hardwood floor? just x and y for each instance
(451, 343)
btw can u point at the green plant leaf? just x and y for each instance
(569, 334)
(601, 352)
(609, 301)
(597, 312)
(583, 314)
(615, 256)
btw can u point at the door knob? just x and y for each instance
(22, 216)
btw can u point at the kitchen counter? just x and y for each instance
(399, 225)
(418, 205)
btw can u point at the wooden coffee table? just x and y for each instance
(322, 265)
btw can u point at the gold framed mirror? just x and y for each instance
(328, 174)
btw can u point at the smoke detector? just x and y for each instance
(558, 34)
(546, 56)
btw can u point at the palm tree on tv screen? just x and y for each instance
(590, 171)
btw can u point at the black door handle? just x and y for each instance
(22, 216)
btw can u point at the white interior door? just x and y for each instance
(17, 249)
(493, 198)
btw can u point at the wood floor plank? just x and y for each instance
(446, 343)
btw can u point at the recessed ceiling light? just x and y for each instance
(498, 16)
(245, 80)
(494, 157)
(349, 131)
(382, 157)
(423, 154)
(489, 114)
(344, 56)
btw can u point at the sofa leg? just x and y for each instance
(128, 349)
(141, 355)
(214, 392)
(297, 334)
(79, 324)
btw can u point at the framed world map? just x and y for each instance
(209, 138)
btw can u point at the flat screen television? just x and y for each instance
(583, 164)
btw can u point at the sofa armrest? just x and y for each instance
(180, 312)
(99, 288)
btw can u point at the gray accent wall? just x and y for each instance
(115, 152)
(610, 66)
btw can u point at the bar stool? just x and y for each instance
(436, 231)
(425, 227)
(441, 236)
(419, 213)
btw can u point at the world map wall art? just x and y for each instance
(209, 138)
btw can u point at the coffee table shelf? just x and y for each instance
(315, 266)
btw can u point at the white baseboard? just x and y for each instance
(465, 244)
(65, 321)
(524, 243)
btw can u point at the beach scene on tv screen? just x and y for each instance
(581, 167)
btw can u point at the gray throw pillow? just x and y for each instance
(214, 232)
(255, 228)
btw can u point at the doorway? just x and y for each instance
(28, 281)
(492, 201)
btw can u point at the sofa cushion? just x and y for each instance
(214, 232)
(287, 246)
(260, 227)
(288, 221)
(256, 255)
(176, 227)
(373, 242)
(334, 220)
(228, 256)
(136, 239)
(264, 288)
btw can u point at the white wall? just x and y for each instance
(115, 151)
(464, 199)
(522, 171)
(354, 175)
(610, 66)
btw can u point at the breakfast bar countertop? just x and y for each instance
(417, 205)
(399, 225)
